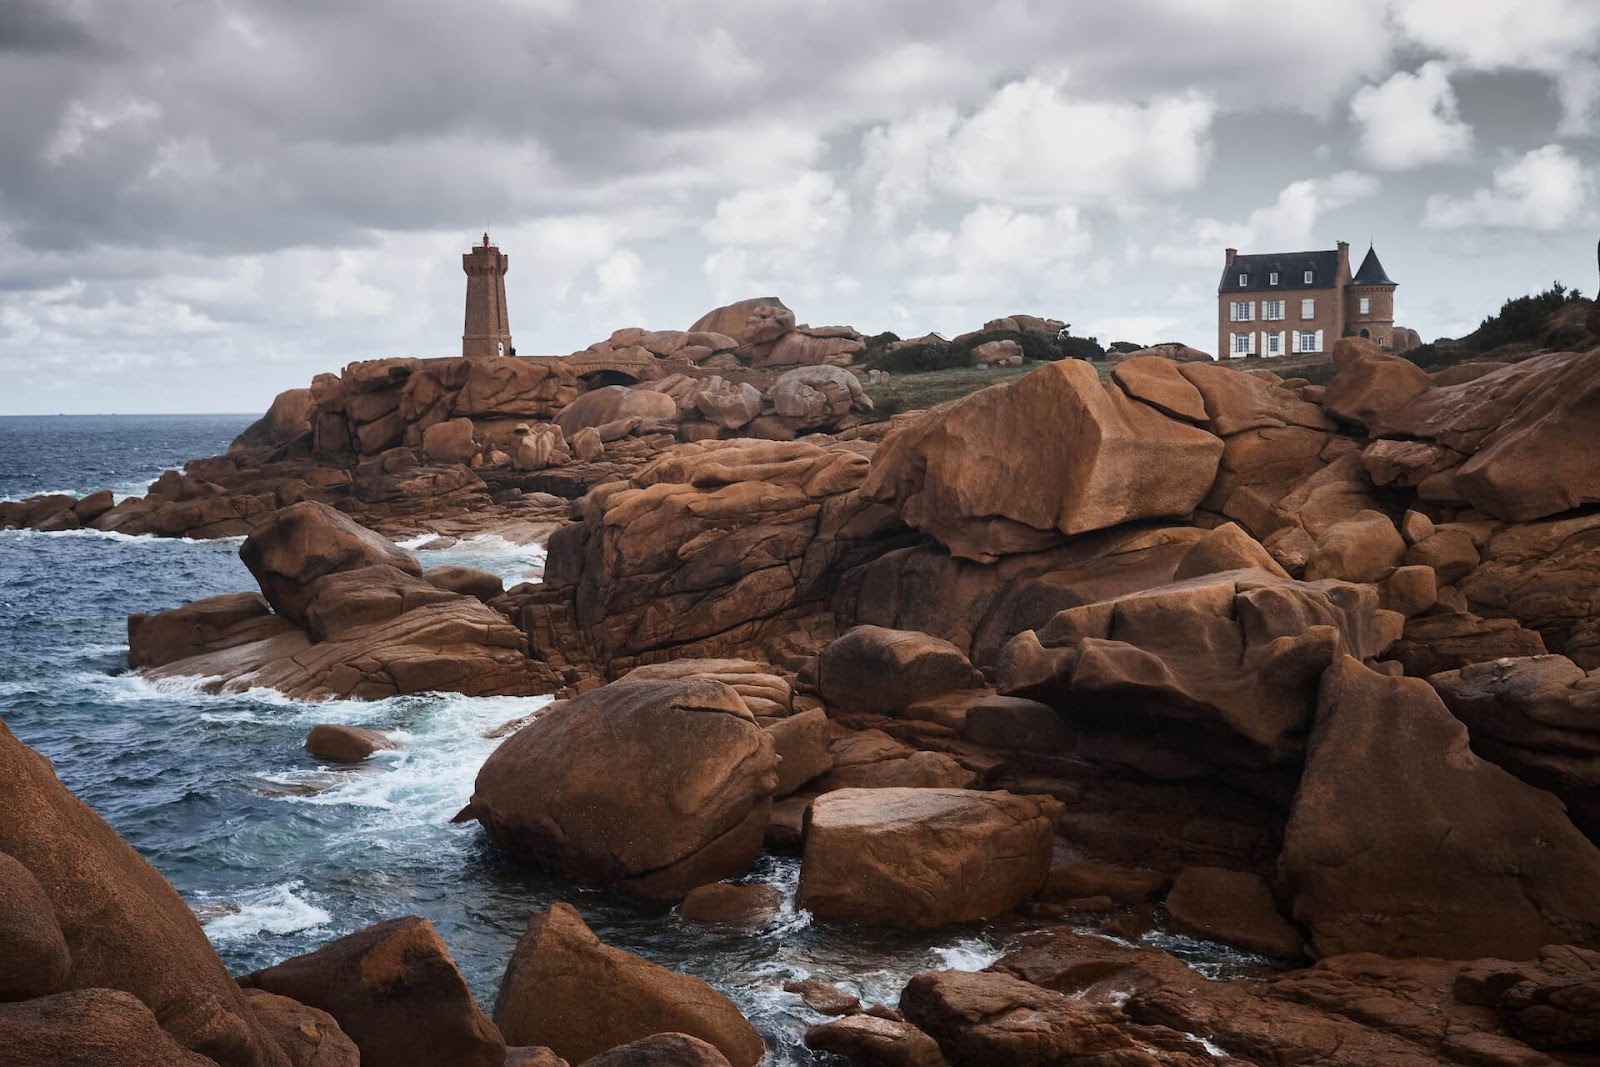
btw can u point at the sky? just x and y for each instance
(204, 202)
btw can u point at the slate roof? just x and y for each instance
(1372, 272)
(1291, 268)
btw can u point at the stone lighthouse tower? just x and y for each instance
(488, 330)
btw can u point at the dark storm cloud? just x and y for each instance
(32, 27)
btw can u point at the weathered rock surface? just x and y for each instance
(579, 997)
(1016, 468)
(874, 669)
(1235, 907)
(923, 857)
(1401, 841)
(1539, 718)
(868, 1041)
(309, 541)
(1223, 668)
(1369, 383)
(123, 924)
(651, 787)
(1526, 429)
(311, 1037)
(35, 961)
(89, 1028)
(345, 744)
(1545, 575)
(723, 904)
(395, 992)
(661, 1050)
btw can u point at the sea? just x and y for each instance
(278, 853)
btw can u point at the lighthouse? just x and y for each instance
(488, 331)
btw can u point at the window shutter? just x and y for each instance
(1296, 343)
(1282, 338)
(1233, 311)
(1319, 342)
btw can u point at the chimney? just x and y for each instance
(1233, 254)
(1344, 259)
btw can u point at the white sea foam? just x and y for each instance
(114, 535)
(278, 909)
(970, 954)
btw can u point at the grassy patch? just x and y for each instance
(912, 392)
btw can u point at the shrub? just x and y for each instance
(920, 358)
(882, 340)
(1521, 319)
(1124, 347)
(1081, 347)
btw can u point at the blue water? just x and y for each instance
(279, 854)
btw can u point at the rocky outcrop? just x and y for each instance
(1545, 576)
(395, 991)
(1018, 468)
(1368, 383)
(568, 991)
(89, 1028)
(660, 1050)
(125, 929)
(884, 671)
(309, 541)
(1401, 841)
(1221, 670)
(1539, 718)
(921, 858)
(1525, 430)
(755, 324)
(651, 787)
(717, 548)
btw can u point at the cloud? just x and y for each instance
(1033, 144)
(994, 254)
(1547, 189)
(1559, 38)
(807, 212)
(1411, 120)
(1290, 223)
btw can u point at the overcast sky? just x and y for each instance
(203, 202)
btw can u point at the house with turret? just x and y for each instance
(1294, 303)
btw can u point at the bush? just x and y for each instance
(1521, 319)
(919, 359)
(1124, 347)
(1081, 347)
(882, 340)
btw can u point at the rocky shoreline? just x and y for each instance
(1309, 670)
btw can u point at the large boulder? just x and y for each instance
(921, 858)
(88, 1028)
(1223, 668)
(395, 991)
(35, 960)
(1016, 468)
(614, 403)
(1539, 718)
(1235, 907)
(754, 324)
(286, 420)
(508, 387)
(652, 787)
(817, 396)
(1543, 575)
(125, 927)
(883, 671)
(567, 990)
(1369, 383)
(1401, 841)
(307, 541)
(660, 1050)
(1526, 428)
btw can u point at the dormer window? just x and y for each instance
(1244, 280)
(1272, 279)
(1310, 277)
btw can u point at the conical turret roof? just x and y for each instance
(1372, 272)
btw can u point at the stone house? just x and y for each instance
(1293, 303)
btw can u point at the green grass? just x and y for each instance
(912, 392)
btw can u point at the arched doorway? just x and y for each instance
(1366, 334)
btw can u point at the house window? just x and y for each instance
(1366, 305)
(1308, 308)
(1272, 279)
(1244, 280)
(1310, 276)
(1241, 344)
(1272, 310)
(1308, 341)
(1242, 311)
(1274, 344)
